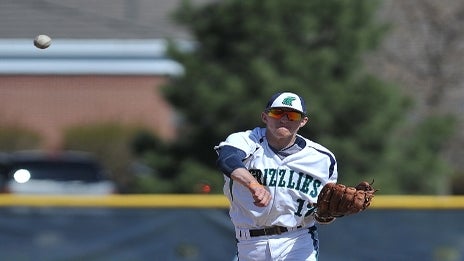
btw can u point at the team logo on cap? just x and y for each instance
(288, 101)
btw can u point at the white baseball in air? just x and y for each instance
(42, 41)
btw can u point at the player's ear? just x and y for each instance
(264, 117)
(304, 121)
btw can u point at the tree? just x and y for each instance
(423, 53)
(247, 50)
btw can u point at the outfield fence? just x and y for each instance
(208, 201)
(197, 228)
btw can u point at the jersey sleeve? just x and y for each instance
(330, 162)
(334, 177)
(230, 159)
(243, 141)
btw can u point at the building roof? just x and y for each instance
(90, 19)
(97, 37)
(86, 56)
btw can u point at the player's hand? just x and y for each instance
(261, 195)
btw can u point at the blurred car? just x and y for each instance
(66, 172)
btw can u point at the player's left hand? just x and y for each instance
(338, 200)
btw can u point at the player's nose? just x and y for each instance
(284, 118)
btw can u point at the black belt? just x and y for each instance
(269, 231)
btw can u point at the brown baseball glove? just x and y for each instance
(337, 200)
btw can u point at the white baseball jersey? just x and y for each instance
(294, 182)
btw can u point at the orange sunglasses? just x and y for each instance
(279, 113)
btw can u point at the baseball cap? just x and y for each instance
(287, 100)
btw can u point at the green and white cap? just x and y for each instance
(287, 100)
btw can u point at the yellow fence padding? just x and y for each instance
(205, 201)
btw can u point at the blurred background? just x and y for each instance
(132, 95)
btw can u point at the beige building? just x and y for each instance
(106, 64)
(77, 82)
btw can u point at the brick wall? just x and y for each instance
(48, 104)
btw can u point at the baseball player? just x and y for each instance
(273, 177)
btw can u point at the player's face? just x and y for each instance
(283, 123)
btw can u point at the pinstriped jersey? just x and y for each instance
(293, 181)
